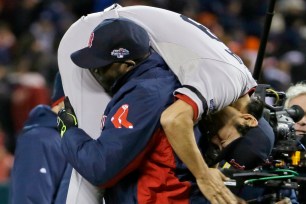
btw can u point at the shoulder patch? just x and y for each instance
(120, 117)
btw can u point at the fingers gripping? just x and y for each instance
(66, 118)
(68, 106)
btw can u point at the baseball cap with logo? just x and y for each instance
(251, 149)
(113, 40)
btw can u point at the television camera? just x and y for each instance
(288, 150)
(286, 167)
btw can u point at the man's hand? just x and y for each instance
(214, 189)
(66, 117)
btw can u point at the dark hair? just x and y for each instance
(255, 107)
(242, 129)
(208, 126)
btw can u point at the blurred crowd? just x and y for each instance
(30, 32)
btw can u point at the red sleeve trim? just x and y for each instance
(250, 92)
(191, 103)
(57, 101)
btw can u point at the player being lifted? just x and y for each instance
(212, 78)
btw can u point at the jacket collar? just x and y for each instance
(153, 61)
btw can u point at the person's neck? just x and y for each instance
(227, 131)
(241, 103)
(225, 115)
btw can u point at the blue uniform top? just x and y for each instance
(132, 158)
(39, 166)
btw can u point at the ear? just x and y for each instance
(250, 120)
(130, 63)
(127, 66)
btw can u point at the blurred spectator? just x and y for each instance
(5, 108)
(7, 43)
(40, 170)
(101, 5)
(250, 49)
(252, 14)
(292, 13)
(29, 90)
(22, 14)
(6, 160)
(81, 7)
(276, 73)
(298, 63)
(44, 33)
(135, 2)
(6, 163)
(296, 95)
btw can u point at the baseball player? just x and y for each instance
(131, 157)
(197, 57)
(212, 77)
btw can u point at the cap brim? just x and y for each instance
(252, 148)
(84, 58)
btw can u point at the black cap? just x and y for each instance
(251, 149)
(113, 40)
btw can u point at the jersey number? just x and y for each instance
(211, 35)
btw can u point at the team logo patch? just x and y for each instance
(120, 117)
(91, 38)
(120, 53)
(212, 106)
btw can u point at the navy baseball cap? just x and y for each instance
(113, 40)
(251, 149)
(58, 91)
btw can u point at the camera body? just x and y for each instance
(286, 167)
(283, 127)
(288, 151)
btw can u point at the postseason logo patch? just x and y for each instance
(212, 106)
(120, 53)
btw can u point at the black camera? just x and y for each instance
(288, 150)
(286, 168)
(283, 125)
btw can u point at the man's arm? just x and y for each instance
(129, 127)
(177, 121)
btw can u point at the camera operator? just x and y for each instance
(296, 95)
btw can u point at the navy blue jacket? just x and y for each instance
(132, 158)
(39, 166)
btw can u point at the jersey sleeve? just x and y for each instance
(191, 103)
(124, 141)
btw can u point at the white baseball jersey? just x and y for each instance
(212, 76)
